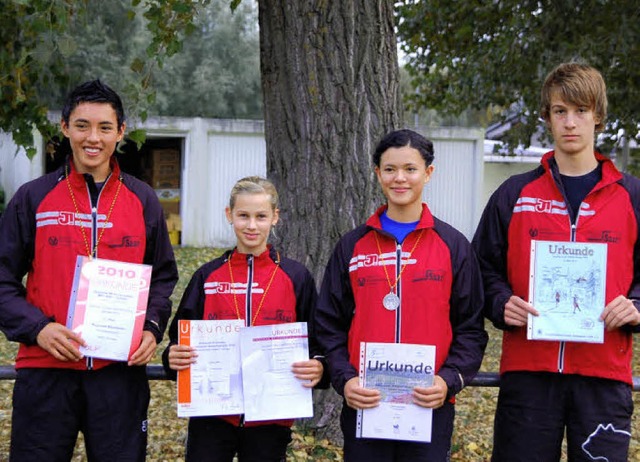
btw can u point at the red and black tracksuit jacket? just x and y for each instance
(533, 206)
(440, 292)
(41, 233)
(240, 286)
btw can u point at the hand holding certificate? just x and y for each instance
(107, 306)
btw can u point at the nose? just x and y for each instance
(93, 135)
(400, 176)
(570, 119)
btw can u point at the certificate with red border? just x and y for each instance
(213, 384)
(108, 305)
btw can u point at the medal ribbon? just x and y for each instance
(392, 287)
(264, 294)
(104, 227)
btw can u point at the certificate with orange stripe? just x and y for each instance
(212, 385)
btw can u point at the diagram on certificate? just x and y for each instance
(567, 288)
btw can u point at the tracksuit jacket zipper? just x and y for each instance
(248, 307)
(572, 238)
(398, 291)
(247, 319)
(94, 200)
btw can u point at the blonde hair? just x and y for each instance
(577, 84)
(254, 185)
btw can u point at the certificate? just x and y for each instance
(567, 288)
(271, 391)
(212, 385)
(395, 369)
(108, 305)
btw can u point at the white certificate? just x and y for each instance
(108, 305)
(567, 288)
(270, 389)
(213, 385)
(395, 369)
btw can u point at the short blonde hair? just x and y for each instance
(577, 84)
(254, 185)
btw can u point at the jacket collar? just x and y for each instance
(426, 219)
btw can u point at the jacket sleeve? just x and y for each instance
(306, 305)
(191, 308)
(20, 321)
(333, 317)
(632, 185)
(164, 276)
(490, 245)
(467, 322)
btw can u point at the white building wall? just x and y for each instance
(241, 154)
(15, 167)
(216, 153)
(454, 191)
(495, 173)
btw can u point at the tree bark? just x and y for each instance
(330, 84)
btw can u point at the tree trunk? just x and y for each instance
(330, 86)
(330, 83)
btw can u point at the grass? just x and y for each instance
(472, 439)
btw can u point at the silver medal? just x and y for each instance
(391, 301)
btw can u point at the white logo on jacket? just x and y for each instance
(538, 205)
(225, 287)
(384, 259)
(65, 218)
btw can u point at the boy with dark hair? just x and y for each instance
(547, 387)
(87, 207)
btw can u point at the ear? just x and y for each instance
(121, 131)
(227, 212)
(64, 128)
(429, 171)
(377, 170)
(276, 217)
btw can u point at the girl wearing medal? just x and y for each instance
(273, 290)
(404, 276)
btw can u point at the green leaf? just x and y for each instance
(181, 7)
(31, 152)
(67, 46)
(137, 66)
(138, 136)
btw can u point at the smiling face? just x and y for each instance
(402, 175)
(93, 133)
(572, 127)
(252, 217)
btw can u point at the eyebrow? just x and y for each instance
(407, 164)
(85, 121)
